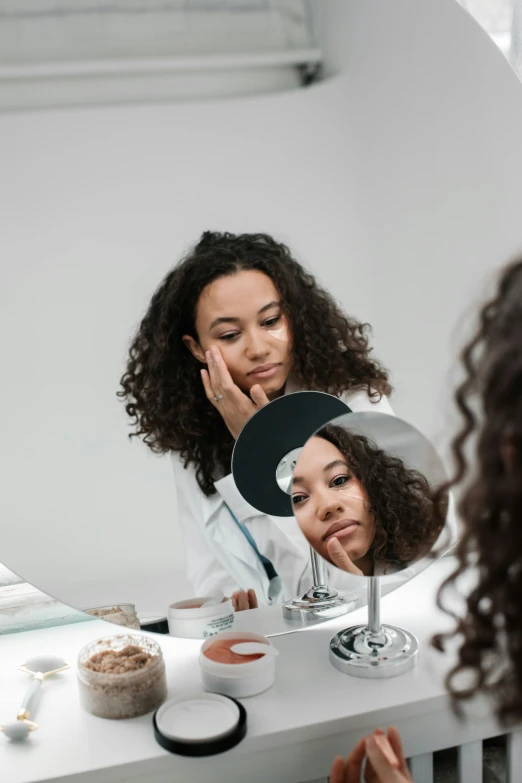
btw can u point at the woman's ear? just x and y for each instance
(194, 348)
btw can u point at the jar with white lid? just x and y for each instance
(190, 620)
(255, 675)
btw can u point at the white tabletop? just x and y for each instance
(311, 713)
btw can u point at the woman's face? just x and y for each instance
(329, 502)
(242, 315)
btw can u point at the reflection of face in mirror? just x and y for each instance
(241, 314)
(360, 507)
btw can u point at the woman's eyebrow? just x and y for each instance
(268, 306)
(229, 319)
(337, 463)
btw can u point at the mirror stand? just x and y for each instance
(374, 650)
(320, 602)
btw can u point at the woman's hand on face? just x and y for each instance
(340, 558)
(235, 407)
(385, 761)
(244, 599)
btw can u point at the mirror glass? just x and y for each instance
(99, 205)
(364, 493)
(285, 470)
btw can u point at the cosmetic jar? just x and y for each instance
(119, 614)
(189, 620)
(199, 724)
(121, 676)
(232, 674)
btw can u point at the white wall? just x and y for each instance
(397, 182)
(97, 205)
(436, 119)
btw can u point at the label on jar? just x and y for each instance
(218, 625)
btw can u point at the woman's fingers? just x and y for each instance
(240, 601)
(208, 388)
(383, 760)
(223, 380)
(258, 396)
(213, 374)
(395, 741)
(354, 762)
(252, 599)
(337, 771)
(340, 558)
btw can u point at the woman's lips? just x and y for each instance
(341, 530)
(264, 372)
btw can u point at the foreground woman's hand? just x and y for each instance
(340, 558)
(386, 762)
(244, 599)
(235, 407)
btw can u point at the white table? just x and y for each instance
(295, 729)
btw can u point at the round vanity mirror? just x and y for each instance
(368, 495)
(364, 494)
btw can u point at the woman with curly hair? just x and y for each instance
(489, 632)
(360, 507)
(235, 324)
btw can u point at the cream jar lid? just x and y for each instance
(199, 724)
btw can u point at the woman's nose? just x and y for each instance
(328, 507)
(256, 346)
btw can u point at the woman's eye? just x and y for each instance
(272, 321)
(298, 499)
(228, 336)
(339, 481)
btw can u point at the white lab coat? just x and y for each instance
(218, 554)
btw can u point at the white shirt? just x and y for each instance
(218, 554)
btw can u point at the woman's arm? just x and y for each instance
(217, 554)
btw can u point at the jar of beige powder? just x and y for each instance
(121, 676)
(119, 614)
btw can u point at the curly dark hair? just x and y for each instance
(162, 384)
(490, 402)
(401, 500)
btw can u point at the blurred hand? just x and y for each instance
(244, 599)
(235, 407)
(386, 762)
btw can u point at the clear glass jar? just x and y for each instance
(127, 694)
(119, 614)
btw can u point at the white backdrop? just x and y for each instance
(398, 182)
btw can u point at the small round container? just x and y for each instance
(189, 620)
(237, 679)
(119, 614)
(199, 724)
(123, 695)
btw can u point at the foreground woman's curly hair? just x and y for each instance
(162, 386)
(490, 633)
(401, 500)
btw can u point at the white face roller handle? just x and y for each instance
(254, 648)
(30, 694)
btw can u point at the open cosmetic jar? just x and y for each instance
(190, 620)
(199, 724)
(121, 676)
(231, 674)
(119, 614)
